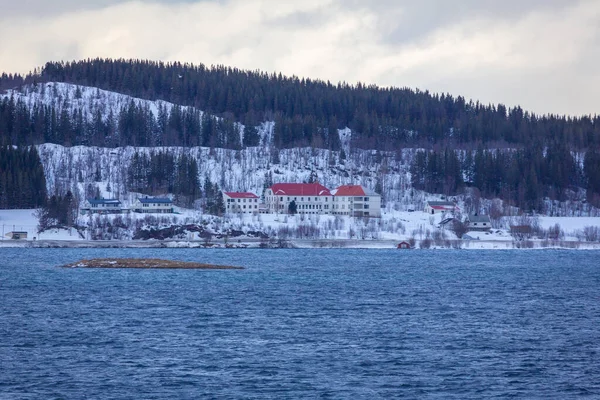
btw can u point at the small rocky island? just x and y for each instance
(146, 263)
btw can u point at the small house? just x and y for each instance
(241, 202)
(101, 206)
(17, 235)
(404, 245)
(153, 205)
(437, 207)
(479, 223)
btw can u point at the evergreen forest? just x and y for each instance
(22, 181)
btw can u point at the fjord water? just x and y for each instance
(302, 323)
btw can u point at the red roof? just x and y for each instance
(241, 195)
(350, 190)
(300, 189)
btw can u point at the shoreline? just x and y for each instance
(301, 244)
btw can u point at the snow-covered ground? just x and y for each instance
(26, 221)
(302, 231)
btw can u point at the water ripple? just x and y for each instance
(297, 324)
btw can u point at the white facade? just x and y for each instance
(236, 202)
(153, 205)
(279, 204)
(357, 206)
(310, 198)
(479, 223)
(102, 206)
(356, 201)
(438, 207)
(351, 200)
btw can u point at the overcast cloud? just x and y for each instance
(540, 54)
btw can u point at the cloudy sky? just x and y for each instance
(541, 54)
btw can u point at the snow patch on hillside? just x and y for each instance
(89, 100)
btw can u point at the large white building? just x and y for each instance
(356, 201)
(240, 202)
(309, 198)
(314, 198)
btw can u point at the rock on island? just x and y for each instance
(151, 263)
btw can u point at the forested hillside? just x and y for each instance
(502, 152)
(306, 110)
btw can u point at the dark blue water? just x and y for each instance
(302, 324)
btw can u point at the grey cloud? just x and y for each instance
(41, 8)
(416, 19)
(539, 54)
(302, 19)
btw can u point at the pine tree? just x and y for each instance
(251, 137)
(292, 208)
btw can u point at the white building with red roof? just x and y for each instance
(356, 201)
(240, 202)
(309, 198)
(436, 207)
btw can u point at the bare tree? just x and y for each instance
(495, 212)
(591, 233)
(459, 228)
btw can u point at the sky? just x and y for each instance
(543, 55)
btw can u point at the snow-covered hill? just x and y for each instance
(89, 100)
(74, 168)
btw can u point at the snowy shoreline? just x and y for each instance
(297, 244)
(272, 231)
